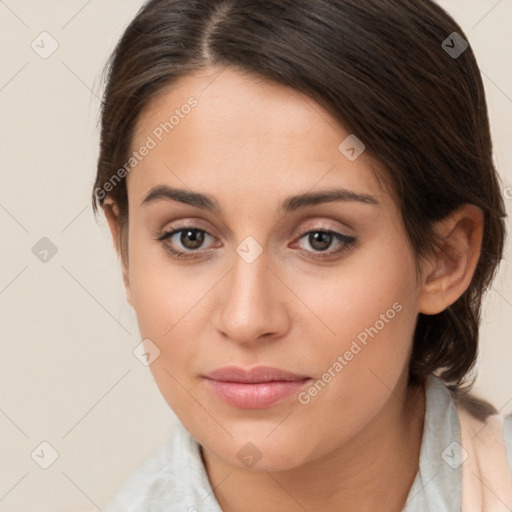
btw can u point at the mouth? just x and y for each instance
(255, 388)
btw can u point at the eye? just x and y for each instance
(320, 240)
(191, 238)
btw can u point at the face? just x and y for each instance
(323, 289)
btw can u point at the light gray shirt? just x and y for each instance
(174, 479)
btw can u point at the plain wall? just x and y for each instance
(67, 372)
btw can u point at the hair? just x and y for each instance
(379, 68)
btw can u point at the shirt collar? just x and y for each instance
(438, 483)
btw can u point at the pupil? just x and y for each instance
(323, 238)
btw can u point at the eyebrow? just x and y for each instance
(290, 204)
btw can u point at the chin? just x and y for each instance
(257, 452)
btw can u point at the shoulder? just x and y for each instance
(134, 488)
(172, 477)
(488, 439)
(483, 412)
(507, 434)
(164, 478)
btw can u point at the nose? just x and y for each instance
(251, 302)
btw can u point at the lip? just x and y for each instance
(254, 388)
(257, 374)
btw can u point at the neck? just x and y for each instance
(374, 471)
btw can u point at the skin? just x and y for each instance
(250, 144)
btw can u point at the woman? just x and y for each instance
(303, 197)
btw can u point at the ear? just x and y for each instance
(450, 274)
(111, 211)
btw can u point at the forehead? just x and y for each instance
(220, 129)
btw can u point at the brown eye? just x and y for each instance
(191, 239)
(321, 240)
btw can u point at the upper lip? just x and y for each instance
(257, 374)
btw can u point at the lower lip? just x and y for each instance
(258, 395)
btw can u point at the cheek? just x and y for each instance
(372, 287)
(160, 289)
(168, 305)
(358, 367)
(161, 301)
(366, 315)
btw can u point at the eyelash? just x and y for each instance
(348, 242)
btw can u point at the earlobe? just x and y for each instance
(450, 274)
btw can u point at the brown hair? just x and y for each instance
(380, 69)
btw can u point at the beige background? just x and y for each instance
(68, 374)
